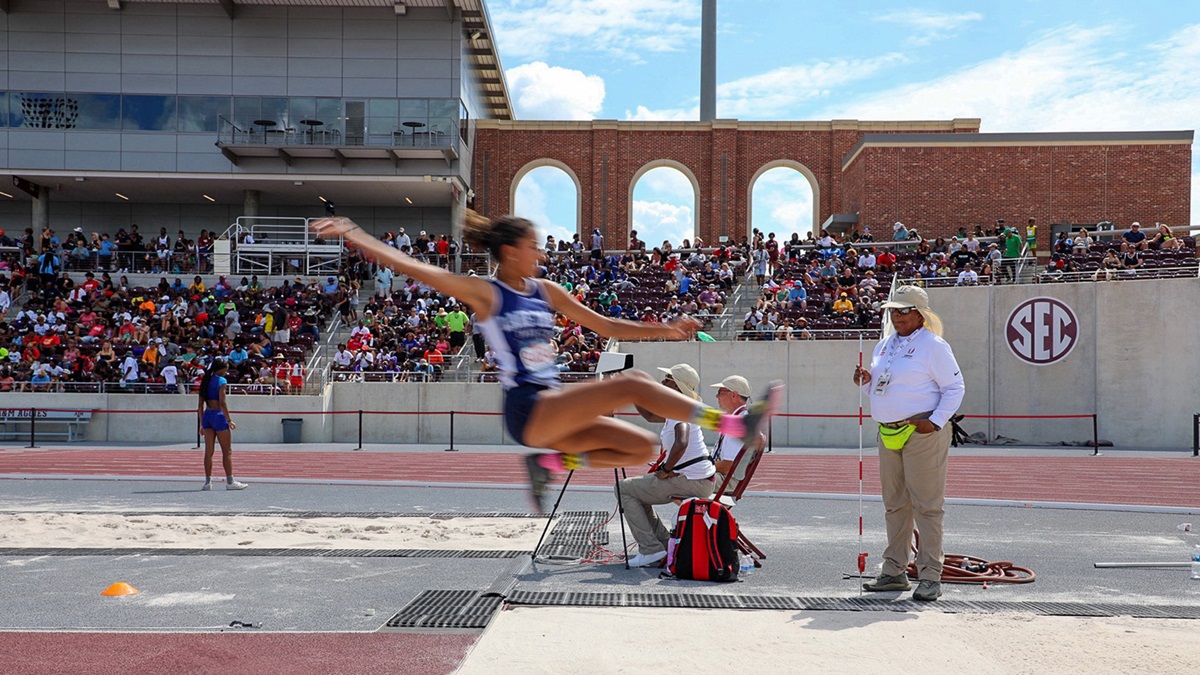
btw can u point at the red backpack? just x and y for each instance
(703, 545)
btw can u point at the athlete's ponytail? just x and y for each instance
(217, 365)
(489, 235)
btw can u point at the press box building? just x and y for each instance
(189, 114)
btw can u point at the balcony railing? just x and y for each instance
(316, 139)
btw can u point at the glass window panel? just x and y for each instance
(329, 111)
(383, 107)
(443, 107)
(148, 113)
(301, 109)
(414, 109)
(40, 110)
(442, 115)
(3, 108)
(16, 115)
(98, 111)
(245, 111)
(273, 110)
(201, 113)
(382, 121)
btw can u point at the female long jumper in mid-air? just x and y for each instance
(515, 311)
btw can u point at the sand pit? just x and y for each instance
(563, 640)
(92, 530)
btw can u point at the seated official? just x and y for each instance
(733, 398)
(684, 469)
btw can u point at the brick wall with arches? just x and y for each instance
(935, 175)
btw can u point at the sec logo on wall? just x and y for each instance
(1041, 331)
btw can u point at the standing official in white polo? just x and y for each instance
(915, 386)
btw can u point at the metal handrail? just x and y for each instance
(848, 333)
(1176, 271)
(401, 137)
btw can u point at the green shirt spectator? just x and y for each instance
(1012, 244)
(457, 321)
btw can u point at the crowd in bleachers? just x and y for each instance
(823, 286)
(817, 286)
(72, 332)
(127, 251)
(1082, 256)
(76, 332)
(410, 333)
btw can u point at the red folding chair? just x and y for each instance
(744, 466)
(742, 470)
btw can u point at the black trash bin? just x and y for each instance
(291, 429)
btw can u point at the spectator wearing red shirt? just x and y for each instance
(885, 262)
(443, 251)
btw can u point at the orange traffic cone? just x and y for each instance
(118, 589)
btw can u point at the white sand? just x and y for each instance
(564, 640)
(91, 530)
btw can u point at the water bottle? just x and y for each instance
(746, 563)
(1196, 562)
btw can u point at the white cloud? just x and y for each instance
(928, 26)
(657, 221)
(782, 202)
(775, 94)
(542, 91)
(1068, 79)
(663, 206)
(644, 114)
(626, 29)
(547, 196)
(667, 183)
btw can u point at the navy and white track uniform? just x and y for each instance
(520, 331)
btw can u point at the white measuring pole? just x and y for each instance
(861, 552)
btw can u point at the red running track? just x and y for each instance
(228, 653)
(1110, 480)
(1151, 481)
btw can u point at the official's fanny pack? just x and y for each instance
(894, 439)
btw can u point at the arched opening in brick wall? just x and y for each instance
(548, 192)
(664, 202)
(783, 197)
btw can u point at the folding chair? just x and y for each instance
(744, 466)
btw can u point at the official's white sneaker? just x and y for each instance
(206, 488)
(236, 485)
(647, 559)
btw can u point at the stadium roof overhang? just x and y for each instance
(477, 31)
(276, 189)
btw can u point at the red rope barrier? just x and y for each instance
(1027, 417)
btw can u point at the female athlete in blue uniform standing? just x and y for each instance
(215, 423)
(515, 311)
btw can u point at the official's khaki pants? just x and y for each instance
(914, 489)
(639, 494)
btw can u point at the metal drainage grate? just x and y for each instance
(723, 601)
(575, 534)
(447, 609)
(264, 552)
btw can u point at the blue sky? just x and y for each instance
(1023, 65)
